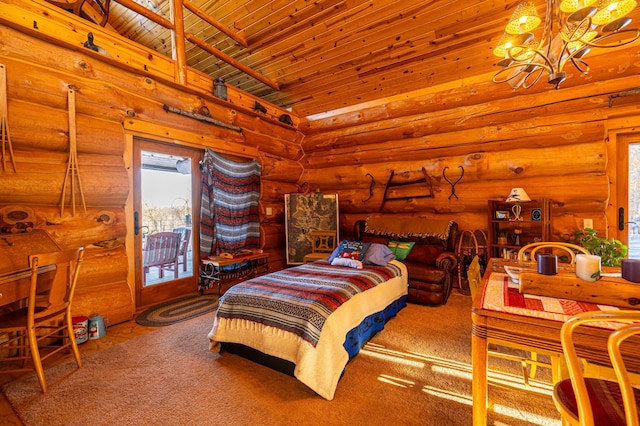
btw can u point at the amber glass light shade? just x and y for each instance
(570, 6)
(524, 19)
(610, 10)
(572, 28)
(504, 44)
(507, 41)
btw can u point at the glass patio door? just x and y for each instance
(165, 235)
(629, 192)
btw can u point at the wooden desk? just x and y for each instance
(16, 248)
(531, 322)
(220, 270)
(15, 287)
(14, 263)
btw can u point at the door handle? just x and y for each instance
(136, 223)
(621, 221)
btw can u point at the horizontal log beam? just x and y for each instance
(215, 23)
(41, 182)
(507, 164)
(147, 13)
(488, 102)
(69, 31)
(462, 142)
(228, 59)
(473, 196)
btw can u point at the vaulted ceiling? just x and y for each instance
(325, 55)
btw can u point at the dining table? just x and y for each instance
(500, 313)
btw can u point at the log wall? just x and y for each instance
(552, 143)
(39, 75)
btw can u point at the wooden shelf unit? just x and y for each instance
(535, 226)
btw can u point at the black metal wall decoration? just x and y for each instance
(259, 107)
(371, 185)
(303, 188)
(286, 119)
(89, 44)
(406, 183)
(453, 184)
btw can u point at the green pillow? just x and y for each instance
(400, 249)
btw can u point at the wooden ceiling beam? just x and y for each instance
(141, 10)
(313, 46)
(215, 23)
(418, 38)
(220, 55)
(325, 55)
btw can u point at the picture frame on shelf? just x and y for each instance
(536, 214)
(502, 214)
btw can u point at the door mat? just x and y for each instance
(177, 310)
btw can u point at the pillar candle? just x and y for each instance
(588, 267)
(547, 264)
(631, 270)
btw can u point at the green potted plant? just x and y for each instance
(610, 250)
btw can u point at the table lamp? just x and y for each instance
(517, 196)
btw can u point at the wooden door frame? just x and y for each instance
(161, 292)
(133, 244)
(138, 128)
(617, 130)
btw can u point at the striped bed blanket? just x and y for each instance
(299, 300)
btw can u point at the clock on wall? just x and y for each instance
(536, 215)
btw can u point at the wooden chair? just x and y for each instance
(530, 364)
(45, 324)
(183, 249)
(595, 401)
(529, 251)
(161, 251)
(96, 11)
(323, 243)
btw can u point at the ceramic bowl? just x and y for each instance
(514, 272)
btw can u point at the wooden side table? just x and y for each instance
(221, 269)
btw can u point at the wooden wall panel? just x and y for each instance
(113, 301)
(552, 144)
(39, 75)
(40, 180)
(488, 164)
(94, 135)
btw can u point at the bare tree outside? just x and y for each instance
(634, 201)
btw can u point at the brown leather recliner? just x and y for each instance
(431, 263)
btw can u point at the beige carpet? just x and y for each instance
(415, 372)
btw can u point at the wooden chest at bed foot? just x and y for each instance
(428, 293)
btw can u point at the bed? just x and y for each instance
(316, 316)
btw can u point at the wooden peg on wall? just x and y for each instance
(5, 136)
(73, 173)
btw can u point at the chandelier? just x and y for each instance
(571, 29)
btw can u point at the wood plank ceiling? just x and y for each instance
(331, 54)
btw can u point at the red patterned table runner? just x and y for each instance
(500, 294)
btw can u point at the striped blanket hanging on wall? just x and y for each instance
(229, 215)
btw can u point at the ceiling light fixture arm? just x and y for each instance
(571, 29)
